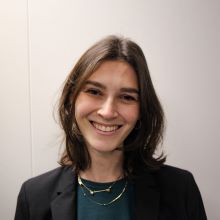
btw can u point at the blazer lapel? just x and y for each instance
(63, 205)
(147, 198)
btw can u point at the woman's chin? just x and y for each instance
(104, 149)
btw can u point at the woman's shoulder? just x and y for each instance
(166, 172)
(167, 177)
(38, 193)
(172, 171)
(171, 174)
(175, 179)
(50, 180)
(50, 175)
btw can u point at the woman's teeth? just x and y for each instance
(105, 128)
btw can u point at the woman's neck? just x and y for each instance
(104, 168)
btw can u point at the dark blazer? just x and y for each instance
(167, 194)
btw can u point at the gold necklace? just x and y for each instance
(82, 186)
(92, 192)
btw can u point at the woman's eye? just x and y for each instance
(93, 91)
(128, 98)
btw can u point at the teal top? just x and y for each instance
(88, 206)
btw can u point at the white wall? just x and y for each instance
(15, 138)
(41, 40)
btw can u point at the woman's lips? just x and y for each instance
(105, 128)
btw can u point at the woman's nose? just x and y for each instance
(108, 109)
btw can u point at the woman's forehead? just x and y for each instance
(117, 72)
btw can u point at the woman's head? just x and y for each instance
(142, 139)
(107, 108)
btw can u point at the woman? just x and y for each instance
(113, 123)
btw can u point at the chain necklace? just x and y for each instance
(91, 192)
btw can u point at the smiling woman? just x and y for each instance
(113, 73)
(113, 123)
(107, 108)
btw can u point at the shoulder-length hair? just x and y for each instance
(140, 145)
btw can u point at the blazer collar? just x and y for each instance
(146, 197)
(63, 202)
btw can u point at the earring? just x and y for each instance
(73, 126)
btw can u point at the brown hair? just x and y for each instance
(140, 145)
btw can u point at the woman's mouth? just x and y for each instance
(105, 128)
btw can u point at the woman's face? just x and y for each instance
(107, 107)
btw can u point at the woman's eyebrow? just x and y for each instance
(129, 90)
(94, 83)
(124, 89)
